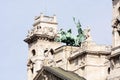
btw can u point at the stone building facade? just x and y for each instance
(87, 60)
(115, 55)
(39, 39)
(48, 59)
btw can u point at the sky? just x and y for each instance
(17, 17)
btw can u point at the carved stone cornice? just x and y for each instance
(35, 37)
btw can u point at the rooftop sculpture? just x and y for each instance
(69, 39)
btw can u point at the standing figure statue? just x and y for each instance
(80, 37)
(87, 33)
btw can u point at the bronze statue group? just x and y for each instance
(69, 38)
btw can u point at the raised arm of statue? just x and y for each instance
(78, 25)
(87, 34)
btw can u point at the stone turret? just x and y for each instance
(40, 39)
(44, 27)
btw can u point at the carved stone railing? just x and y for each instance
(45, 19)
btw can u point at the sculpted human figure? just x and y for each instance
(116, 23)
(36, 62)
(30, 69)
(87, 34)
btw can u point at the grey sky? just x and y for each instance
(17, 17)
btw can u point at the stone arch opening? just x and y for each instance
(119, 10)
(109, 70)
(33, 52)
(52, 51)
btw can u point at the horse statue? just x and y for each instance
(69, 39)
(65, 37)
(61, 36)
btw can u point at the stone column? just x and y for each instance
(29, 74)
